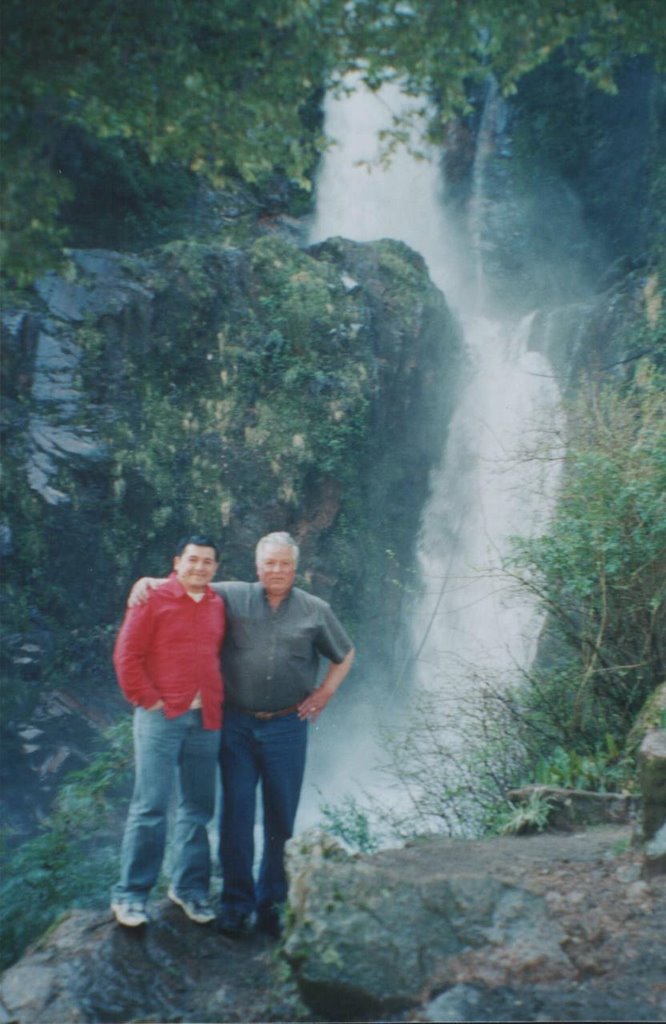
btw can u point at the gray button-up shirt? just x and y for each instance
(270, 658)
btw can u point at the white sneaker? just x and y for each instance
(129, 913)
(197, 909)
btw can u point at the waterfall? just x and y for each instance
(483, 491)
(362, 198)
(468, 620)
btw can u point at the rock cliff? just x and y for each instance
(203, 386)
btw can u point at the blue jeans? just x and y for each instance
(272, 753)
(160, 746)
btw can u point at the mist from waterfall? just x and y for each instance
(466, 620)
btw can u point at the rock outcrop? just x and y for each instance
(546, 928)
(473, 928)
(89, 969)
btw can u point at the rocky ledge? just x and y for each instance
(540, 928)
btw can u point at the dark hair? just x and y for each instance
(200, 540)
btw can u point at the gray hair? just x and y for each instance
(279, 539)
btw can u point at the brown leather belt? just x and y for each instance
(266, 715)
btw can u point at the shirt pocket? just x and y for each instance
(300, 656)
(300, 649)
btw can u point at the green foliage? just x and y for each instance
(312, 396)
(72, 862)
(599, 572)
(604, 770)
(350, 822)
(221, 89)
(441, 45)
(519, 819)
(84, 797)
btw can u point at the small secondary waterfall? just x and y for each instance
(469, 622)
(482, 492)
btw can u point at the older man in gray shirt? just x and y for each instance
(277, 635)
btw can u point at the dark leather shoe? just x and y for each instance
(269, 921)
(234, 923)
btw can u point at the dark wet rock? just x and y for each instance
(90, 969)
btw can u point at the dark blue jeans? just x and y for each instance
(253, 752)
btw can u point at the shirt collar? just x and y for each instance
(283, 603)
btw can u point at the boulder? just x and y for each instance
(555, 926)
(89, 969)
(376, 934)
(234, 390)
(540, 928)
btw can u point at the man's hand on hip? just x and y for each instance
(314, 704)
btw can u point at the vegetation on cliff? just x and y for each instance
(600, 569)
(237, 390)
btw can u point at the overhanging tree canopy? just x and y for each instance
(221, 87)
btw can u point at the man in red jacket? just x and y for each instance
(167, 659)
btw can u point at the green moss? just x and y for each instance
(651, 716)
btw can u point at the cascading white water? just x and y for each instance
(469, 621)
(482, 492)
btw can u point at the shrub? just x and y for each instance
(71, 863)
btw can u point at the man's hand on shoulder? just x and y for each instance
(140, 592)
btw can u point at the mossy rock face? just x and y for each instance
(652, 775)
(229, 390)
(651, 716)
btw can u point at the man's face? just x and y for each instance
(195, 567)
(276, 570)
